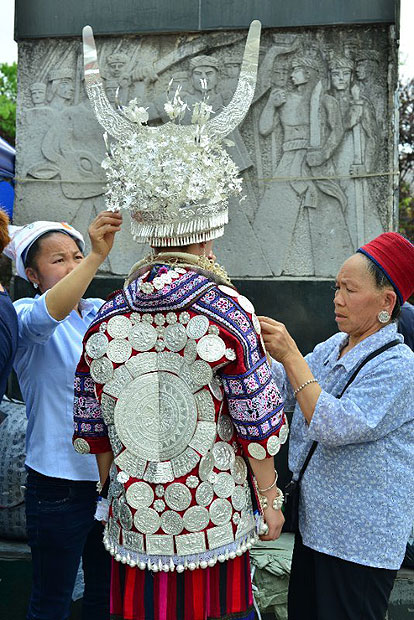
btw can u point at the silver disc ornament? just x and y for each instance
(204, 494)
(206, 466)
(238, 498)
(147, 520)
(225, 428)
(156, 416)
(177, 496)
(201, 372)
(223, 485)
(196, 519)
(223, 455)
(239, 470)
(197, 326)
(101, 370)
(246, 304)
(175, 337)
(172, 522)
(220, 511)
(119, 351)
(96, 346)
(119, 326)
(211, 348)
(139, 494)
(143, 336)
(227, 290)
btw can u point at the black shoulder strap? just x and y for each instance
(354, 374)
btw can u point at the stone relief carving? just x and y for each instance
(315, 133)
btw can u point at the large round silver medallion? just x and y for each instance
(125, 517)
(239, 470)
(119, 326)
(197, 326)
(238, 498)
(175, 337)
(156, 416)
(172, 522)
(204, 494)
(196, 518)
(225, 427)
(101, 370)
(223, 455)
(96, 346)
(143, 336)
(201, 372)
(246, 304)
(177, 496)
(224, 485)
(139, 494)
(211, 348)
(206, 466)
(119, 351)
(220, 511)
(147, 520)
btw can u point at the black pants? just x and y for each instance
(61, 529)
(323, 587)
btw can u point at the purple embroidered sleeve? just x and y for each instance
(87, 415)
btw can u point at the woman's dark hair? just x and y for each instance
(381, 282)
(30, 259)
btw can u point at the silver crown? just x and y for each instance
(174, 179)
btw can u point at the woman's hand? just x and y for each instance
(274, 519)
(102, 232)
(278, 342)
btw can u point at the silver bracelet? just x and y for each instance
(271, 486)
(304, 385)
(276, 504)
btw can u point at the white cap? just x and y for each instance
(23, 237)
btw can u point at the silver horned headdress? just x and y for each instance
(174, 179)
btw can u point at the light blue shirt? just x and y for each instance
(47, 355)
(357, 493)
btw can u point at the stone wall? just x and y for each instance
(317, 150)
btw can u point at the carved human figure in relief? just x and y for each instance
(356, 155)
(309, 235)
(38, 94)
(36, 120)
(61, 91)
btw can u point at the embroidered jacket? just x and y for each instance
(174, 380)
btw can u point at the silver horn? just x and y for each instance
(233, 114)
(113, 122)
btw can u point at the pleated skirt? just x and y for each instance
(223, 591)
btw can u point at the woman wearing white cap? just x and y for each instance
(61, 493)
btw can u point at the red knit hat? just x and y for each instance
(394, 255)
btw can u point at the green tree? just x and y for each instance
(8, 98)
(406, 159)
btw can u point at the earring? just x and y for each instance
(35, 285)
(384, 316)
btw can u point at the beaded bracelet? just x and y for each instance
(304, 385)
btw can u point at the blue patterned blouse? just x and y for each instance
(357, 494)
